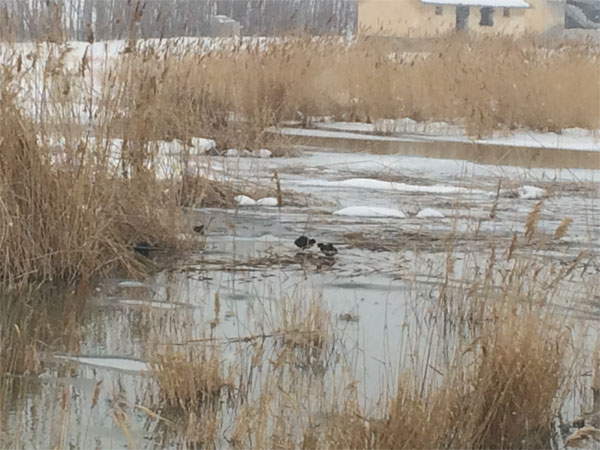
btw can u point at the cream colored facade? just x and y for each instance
(412, 18)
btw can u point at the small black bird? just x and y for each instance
(142, 248)
(327, 249)
(199, 229)
(303, 242)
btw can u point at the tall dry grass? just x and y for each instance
(79, 217)
(497, 367)
(73, 204)
(486, 83)
(500, 393)
(489, 366)
(65, 224)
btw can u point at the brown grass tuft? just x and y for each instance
(533, 218)
(500, 397)
(192, 380)
(563, 228)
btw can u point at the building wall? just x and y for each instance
(405, 18)
(411, 18)
(514, 24)
(544, 15)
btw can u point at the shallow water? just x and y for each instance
(387, 276)
(525, 149)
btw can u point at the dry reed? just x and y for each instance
(485, 83)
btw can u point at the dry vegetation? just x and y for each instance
(486, 83)
(78, 216)
(67, 224)
(72, 205)
(492, 372)
(491, 368)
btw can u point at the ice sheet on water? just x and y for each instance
(203, 146)
(147, 303)
(430, 213)
(370, 183)
(132, 284)
(569, 139)
(370, 211)
(108, 362)
(267, 201)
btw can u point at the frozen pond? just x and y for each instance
(393, 220)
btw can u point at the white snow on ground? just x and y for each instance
(531, 192)
(305, 132)
(545, 140)
(168, 158)
(234, 153)
(203, 146)
(262, 153)
(433, 168)
(356, 127)
(369, 183)
(130, 365)
(267, 201)
(570, 139)
(369, 211)
(244, 200)
(524, 192)
(430, 212)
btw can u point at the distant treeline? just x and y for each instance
(122, 19)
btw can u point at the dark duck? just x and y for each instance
(304, 242)
(327, 249)
(142, 248)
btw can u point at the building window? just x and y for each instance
(438, 10)
(487, 17)
(506, 12)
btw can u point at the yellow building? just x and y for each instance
(429, 18)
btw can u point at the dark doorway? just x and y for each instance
(462, 17)
(487, 17)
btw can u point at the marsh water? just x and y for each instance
(386, 274)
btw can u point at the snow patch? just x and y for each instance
(267, 201)
(126, 364)
(170, 148)
(369, 183)
(348, 126)
(232, 153)
(430, 212)
(370, 211)
(150, 304)
(244, 200)
(524, 192)
(262, 153)
(132, 284)
(531, 192)
(204, 146)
